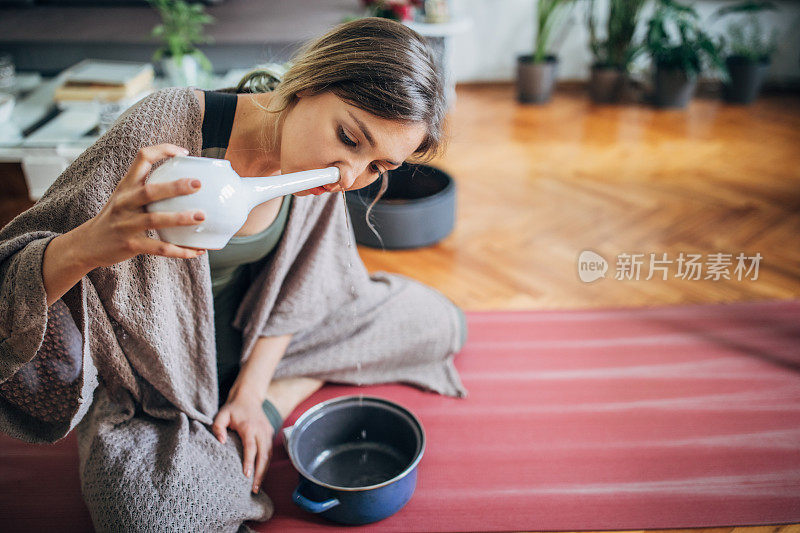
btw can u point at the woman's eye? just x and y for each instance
(345, 139)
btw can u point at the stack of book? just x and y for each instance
(111, 81)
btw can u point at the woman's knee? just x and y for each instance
(150, 488)
(459, 323)
(144, 502)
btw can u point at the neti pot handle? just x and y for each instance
(310, 505)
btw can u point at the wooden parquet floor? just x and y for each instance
(539, 184)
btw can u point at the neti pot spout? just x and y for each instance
(263, 189)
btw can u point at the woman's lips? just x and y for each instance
(316, 191)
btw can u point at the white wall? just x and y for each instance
(503, 29)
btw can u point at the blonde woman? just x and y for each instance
(177, 367)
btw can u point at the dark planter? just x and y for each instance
(535, 81)
(418, 208)
(606, 84)
(747, 76)
(673, 87)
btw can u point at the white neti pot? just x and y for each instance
(224, 197)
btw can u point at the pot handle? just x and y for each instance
(309, 505)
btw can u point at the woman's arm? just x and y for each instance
(256, 374)
(64, 264)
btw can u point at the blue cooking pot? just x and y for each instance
(357, 458)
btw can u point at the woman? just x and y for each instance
(153, 352)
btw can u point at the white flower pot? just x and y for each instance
(185, 74)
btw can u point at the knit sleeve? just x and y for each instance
(24, 317)
(47, 372)
(43, 360)
(76, 196)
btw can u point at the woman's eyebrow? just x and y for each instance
(367, 134)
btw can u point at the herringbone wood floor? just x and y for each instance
(539, 184)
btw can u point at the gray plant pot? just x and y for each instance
(535, 81)
(606, 84)
(747, 76)
(418, 208)
(673, 87)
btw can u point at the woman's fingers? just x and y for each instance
(145, 159)
(262, 459)
(250, 448)
(165, 249)
(220, 425)
(256, 436)
(117, 232)
(146, 221)
(147, 193)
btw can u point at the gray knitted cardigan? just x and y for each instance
(127, 356)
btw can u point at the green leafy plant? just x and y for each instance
(618, 49)
(675, 39)
(550, 15)
(746, 36)
(181, 29)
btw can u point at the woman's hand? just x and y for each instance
(119, 231)
(247, 418)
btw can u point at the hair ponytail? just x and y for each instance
(261, 79)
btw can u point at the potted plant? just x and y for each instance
(536, 73)
(678, 45)
(399, 10)
(614, 54)
(748, 51)
(181, 30)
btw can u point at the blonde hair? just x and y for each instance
(378, 65)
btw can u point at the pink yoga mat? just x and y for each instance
(576, 420)
(673, 417)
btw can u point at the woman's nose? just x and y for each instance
(347, 177)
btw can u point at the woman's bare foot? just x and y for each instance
(287, 394)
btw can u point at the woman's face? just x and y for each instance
(324, 131)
